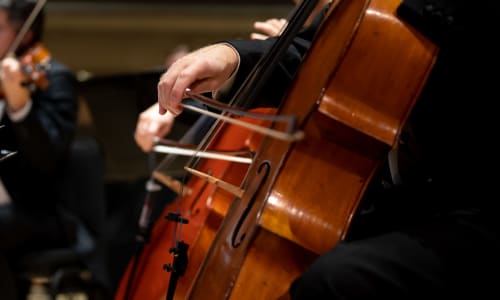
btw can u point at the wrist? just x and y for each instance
(234, 59)
(20, 112)
(13, 108)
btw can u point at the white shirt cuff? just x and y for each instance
(20, 114)
(229, 82)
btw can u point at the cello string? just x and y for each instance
(262, 70)
(254, 82)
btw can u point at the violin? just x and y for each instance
(35, 60)
(34, 65)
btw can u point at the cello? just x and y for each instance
(202, 205)
(352, 96)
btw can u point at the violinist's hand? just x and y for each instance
(203, 70)
(268, 28)
(150, 125)
(12, 77)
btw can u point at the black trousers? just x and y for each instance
(24, 232)
(8, 283)
(450, 256)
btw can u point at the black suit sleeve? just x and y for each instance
(46, 132)
(283, 72)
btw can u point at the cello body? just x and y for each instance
(352, 96)
(203, 206)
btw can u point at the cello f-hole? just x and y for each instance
(261, 175)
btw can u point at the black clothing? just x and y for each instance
(436, 234)
(449, 257)
(33, 220)
(41, 140)
(250, 52)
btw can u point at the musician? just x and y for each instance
(39, 124)
(151, 125)
(439, 233)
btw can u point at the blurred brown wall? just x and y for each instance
(108, 38)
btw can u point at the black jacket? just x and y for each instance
(42, 142)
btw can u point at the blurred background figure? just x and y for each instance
(274, 26)
(177, 53)
(151, 124)
(39, 124)
(270, 27)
